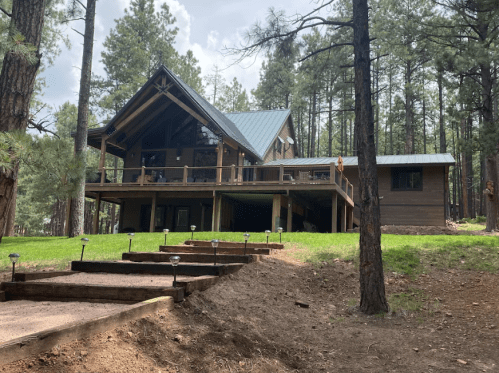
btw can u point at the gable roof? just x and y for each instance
(260, 127)
(381, 160)
(212, 114)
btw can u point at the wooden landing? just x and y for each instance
(36, 343)
(189, 257)
(228, 244)
(155, 268)
(64, 292)
(209, 250)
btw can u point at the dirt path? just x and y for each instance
(250, 321)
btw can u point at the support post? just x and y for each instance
(217, 213)
(96, 215)
(153, 213)
(334, 212)
(240, 164)
(276, 211)
(233, 174)
(203, 213)
(142, 175)
(332, 173)
(281, 173)
(102, 176)
(102, 161)
(289, 223)
(220, 154)
(344, 218)
(350, 217)
(186, 173)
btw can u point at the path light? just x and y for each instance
(130, 237)
(193, 228)
(214, 243)
(246, 238)
(14, 258)
(280, 232)
(267, 232)
(174, 260)
(166, 231)
(84, 242)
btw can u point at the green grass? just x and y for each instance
(410, 301)
(471, 226)
(402, 254)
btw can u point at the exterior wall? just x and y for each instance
(289, 153)
(425, 207)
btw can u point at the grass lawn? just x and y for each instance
(402, 254)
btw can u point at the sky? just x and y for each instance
(205, 27)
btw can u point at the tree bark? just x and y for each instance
(78, 203)
(372, 285)
(443, 144)
(17, 81)
(409, 111)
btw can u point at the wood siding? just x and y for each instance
(284, 133)
(425, 207)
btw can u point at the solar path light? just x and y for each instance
(267, 232)
(84, 242)
(246, 238)
(214, 244)
(130, 237)
(14, 258)
(166, 231)
(280, 232)
(174, 260)
(193, 228)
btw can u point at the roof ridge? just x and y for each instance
(255, 111)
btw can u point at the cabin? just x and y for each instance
(186, 163)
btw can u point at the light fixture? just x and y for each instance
(165, 231)
(84, 242)
(193, 228)
(179, 154)
(214, 244)
(174, 260)
(130, 237)
(267, 232)
(246, 238)
(14, 258)
(280, 232)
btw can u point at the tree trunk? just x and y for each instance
(314, 133)
(409, 111)
(17, 81)
(78, 203)
(443, 145)
(464, 175)
(11, 219)
(372, 285)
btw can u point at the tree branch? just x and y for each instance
(77, 32)
(324, 49)
(40, 128)
(3, 10)
(79, 2)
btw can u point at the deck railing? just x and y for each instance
(223, 175)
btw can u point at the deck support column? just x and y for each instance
(96, 215)
(203, 213)
(276, 211)
(344, 218)
(217, 213)
(350, 217)
(153, 212)
(102, 161)
(289, 222)
(334, 213)
(220, 155)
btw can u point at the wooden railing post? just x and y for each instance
(186, 173)
(102, 176)
(351, 191)
(332, 173)
(232, 174)
(142, 175)
(281, 173)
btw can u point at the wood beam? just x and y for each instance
(185, 107)
(148, 118)
(220, 155)
(96, 215)
(350, 217)
(334, 212)
(153, 213)
(217, 209)
(136, 113)
(228, 141)
(102, 160)
(343, 218)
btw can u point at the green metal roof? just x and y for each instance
(260, 128)
(381, 160)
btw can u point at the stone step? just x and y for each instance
(228, 244)
(189, 257)
(209, 250)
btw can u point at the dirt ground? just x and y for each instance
(281, 315)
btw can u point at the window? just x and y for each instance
(405, 178)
